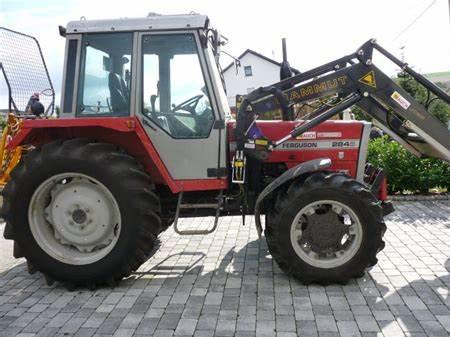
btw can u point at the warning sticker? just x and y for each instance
(402, 101)
(369, 79)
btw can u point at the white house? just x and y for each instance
(256, 70)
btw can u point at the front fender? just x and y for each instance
(308, 166)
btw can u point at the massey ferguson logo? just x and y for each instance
(299, 145)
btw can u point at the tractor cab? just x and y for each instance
(160, 65)
(159, 69)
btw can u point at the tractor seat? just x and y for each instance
(119, 93)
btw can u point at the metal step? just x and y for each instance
(180, 206)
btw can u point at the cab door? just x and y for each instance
(176, 104)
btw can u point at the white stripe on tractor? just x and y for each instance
(313, 145)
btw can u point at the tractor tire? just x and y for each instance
(81, 212)
(325, 228)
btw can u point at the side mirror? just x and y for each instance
(216, 41)
(62, 31)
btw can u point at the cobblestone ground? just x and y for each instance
(226, 284)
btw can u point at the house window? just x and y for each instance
(248, 71)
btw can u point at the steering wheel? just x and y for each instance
(188, 105)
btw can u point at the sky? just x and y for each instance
(316, 31)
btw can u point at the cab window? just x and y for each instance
(105, 75)
(174, 92)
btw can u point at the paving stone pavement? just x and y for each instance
(226, 284)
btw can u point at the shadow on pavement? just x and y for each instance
(389, 306)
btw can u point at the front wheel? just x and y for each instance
(326, 228)
(81, 212)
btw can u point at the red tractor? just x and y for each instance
(144, 137)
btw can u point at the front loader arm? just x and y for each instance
(354, 80)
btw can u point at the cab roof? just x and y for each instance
(152, 22)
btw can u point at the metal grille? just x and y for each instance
(25, 71)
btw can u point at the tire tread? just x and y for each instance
(299, 188)
(139, 187)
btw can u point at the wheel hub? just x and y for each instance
(326, 233)
(79, 216)
(75, 221)
(74, 218)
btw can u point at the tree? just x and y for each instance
(435, 106)
(360, 115)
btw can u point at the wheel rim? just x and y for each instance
(326, 234)
(74, 218)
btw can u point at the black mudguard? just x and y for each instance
(306, 167)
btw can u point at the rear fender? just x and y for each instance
(126, 132)
(296, 171)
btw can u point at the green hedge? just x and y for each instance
(404, 171)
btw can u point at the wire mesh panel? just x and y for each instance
(25, 71)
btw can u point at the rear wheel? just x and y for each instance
(326, 228)
(81, 212)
